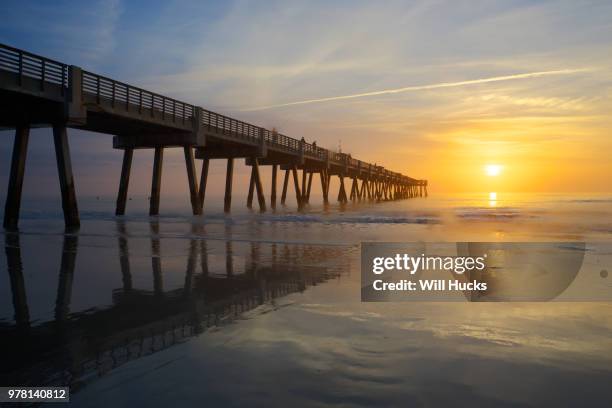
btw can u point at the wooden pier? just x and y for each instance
(39, 92)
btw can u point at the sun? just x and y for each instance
(493, 170)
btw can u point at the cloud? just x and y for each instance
(426, 87)
(78, 33)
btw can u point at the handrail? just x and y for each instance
(24, 63)
(115, 92)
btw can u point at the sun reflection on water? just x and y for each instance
(492, 199)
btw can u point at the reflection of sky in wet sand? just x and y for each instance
(323, 346)
(343, 353)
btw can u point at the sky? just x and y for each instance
(437, 90)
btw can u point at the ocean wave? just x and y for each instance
(589, 200)
(354, 219)
(494, 213)
(248, 217)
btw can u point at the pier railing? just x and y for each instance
(34, 66)
(131, 97)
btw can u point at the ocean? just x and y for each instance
(264, 309)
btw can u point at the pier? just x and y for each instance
(39, 92)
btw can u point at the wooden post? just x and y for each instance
(362, 193)
(354, 189)
(15, 185)
(273, 190)
(324, 188)
(296, 183)
(193, 182)
(260, 194)
(304, 172)
(284, 192)
(124, 181)
(203, 181)
(156, 181)
(309, 187)
(64, 168)
(228, 185)
(342, 192)
(251, 188)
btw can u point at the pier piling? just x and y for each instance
(193, 183)
(156, 181)
(227, 202)
(124, 181)
(15, 187)
(64, 168)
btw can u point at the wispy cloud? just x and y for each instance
(81, 33)
(526, 75)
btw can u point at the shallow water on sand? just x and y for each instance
(264, 309)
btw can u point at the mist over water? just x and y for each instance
(252, 308)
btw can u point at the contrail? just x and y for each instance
(424, 87)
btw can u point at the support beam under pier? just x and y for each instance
(15, 186)
(193, 182)
(304, 187)
(156, 181)
(228, 185)
(258, 186)
(285, 183)
(124, 181)
(309, 187)
(203, 181)
(296, 183)
(324, 186)
(273, 191)
(64, 168)
(251, 188)
(342, 191)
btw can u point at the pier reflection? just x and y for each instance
(74, 348)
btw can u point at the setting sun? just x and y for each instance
(493, 170)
